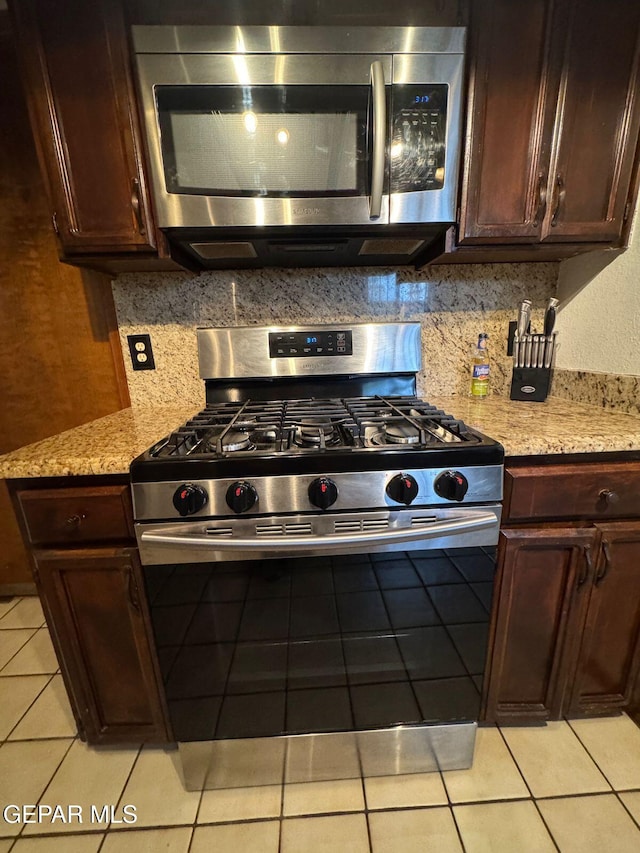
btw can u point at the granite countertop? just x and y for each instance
(108, 445)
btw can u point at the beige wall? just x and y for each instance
(599, 314)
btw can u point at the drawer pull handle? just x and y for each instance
(609, 497)
(74, 521)
(607, 563)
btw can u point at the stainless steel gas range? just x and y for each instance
(318, 547)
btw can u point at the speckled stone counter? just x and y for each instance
(105, 446)
(108, 445)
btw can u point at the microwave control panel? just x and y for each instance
(418, 147)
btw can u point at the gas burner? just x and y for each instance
(313, 432)
(402, 433)
(235, 439)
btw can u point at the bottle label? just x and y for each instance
(480, 380)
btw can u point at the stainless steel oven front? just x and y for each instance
(322, 646)
(290, 126)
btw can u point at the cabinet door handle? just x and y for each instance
(607, 563)
(74, 521)
(560, 197)
(542, 199)
(54, 223)
(609, 497)
(588, 566)
(136, 204)
(134, 599)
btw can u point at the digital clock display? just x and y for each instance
(422, 99)
(310, 344)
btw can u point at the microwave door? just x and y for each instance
(263, 140)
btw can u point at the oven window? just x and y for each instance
(322, 644)
(264, 141)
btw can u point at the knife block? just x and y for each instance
(530, 383)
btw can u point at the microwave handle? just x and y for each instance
(379, 138)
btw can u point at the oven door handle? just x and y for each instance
(379, 145)
(470, 522)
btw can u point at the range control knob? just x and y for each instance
(403, 489)
(451, 485)
(189, 498)
(323, 492)
(241, 496)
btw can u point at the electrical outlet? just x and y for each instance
(141, 352)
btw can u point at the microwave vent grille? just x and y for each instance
(222, 250)
(390, 246)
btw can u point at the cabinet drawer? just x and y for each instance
(68, 516)
(573, 491)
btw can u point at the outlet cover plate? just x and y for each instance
(141, 352)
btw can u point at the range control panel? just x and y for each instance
(310, 344)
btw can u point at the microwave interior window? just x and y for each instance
(262, 141)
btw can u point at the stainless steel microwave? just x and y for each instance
(287, 128)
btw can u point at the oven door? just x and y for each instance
(326, 666)
(262, 140)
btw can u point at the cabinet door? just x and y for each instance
(597, 119)
(99, 625)
(542, 586)
(609, 659)
(76, 72)
(509, 123)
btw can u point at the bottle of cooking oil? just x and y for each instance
(480, 367)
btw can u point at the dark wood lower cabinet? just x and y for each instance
(609, 657)
(98, 618)
(540, 600)
(566, 635)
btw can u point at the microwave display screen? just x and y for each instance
(264, 141)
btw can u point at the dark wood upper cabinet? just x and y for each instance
(596, 121)
(509, 125)
(553, 121)
(76, 71)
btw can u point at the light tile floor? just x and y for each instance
(569, 786)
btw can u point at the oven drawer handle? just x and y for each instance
(472, 521)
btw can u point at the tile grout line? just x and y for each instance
(73, 740)
(366, 809)
(26, 711)
(524, 779)
(577, 736)
(17, 652)
(20, 598)
(615, 790)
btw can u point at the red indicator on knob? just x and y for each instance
(402, 489)
(189, 498)
(323, 492)
(451, 485)
(241, 496)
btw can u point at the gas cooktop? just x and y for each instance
(293, 426)
(309, 435)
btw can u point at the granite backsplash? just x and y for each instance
(614, 392)
(453, 304)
